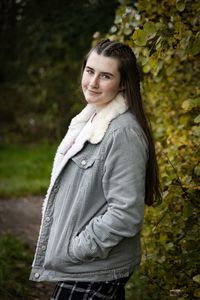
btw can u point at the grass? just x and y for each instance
(25, 169)
(15, 262)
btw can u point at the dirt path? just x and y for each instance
(21, 217)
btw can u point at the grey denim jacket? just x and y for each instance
(94, 212)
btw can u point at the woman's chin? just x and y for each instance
(91, 101)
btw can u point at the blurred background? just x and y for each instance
(42, 44)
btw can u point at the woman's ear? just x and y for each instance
(121, 89)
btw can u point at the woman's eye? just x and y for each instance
(89, 71)
(104, 76)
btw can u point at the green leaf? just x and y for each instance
(184, 42)
(150, 29)
(196, 130)
(197, 172)
(144, 60)
(197, 119)
(190, 104)
(180, 5)
(146, 68)
(127, 31)
(195, 48)
(187, 210)
(153, 61)
(140, 37)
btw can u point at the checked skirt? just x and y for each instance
(73, 290)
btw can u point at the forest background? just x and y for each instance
(42, 46)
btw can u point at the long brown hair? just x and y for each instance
(130, 81)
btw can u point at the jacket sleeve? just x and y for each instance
(123, 185)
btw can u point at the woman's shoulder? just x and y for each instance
(125, 133)
(127, 120)
(126, 126)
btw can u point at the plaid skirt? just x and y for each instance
(76, 290)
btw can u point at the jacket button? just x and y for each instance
(83, 162)
(55, 189)
(44, 247)
(36, 275)
(47, 219)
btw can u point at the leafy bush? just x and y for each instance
(166, 40)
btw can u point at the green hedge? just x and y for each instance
(165, 38)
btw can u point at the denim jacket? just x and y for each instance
(94, 207)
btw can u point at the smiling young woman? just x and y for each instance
(104, 172)
(100, 80)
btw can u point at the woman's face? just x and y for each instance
(100, 79)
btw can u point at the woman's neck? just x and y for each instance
(99, 107)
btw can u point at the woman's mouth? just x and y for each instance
(94, 92)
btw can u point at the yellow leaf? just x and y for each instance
(197, 293)
(197, 278)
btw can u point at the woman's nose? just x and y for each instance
(94, 81)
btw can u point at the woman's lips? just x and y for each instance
(94, 92)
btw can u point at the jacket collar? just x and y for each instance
(95, 132)
(102, 119)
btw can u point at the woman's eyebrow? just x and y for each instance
(104, 73)
(87, 67)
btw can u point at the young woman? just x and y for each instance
(104, 172)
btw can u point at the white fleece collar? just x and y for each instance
(95, 133)
(105, 116)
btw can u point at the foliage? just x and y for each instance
(15, 260)
(165, 37)
(42, 45)
(25, 169)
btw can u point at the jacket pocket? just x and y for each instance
(82, 162)
(74, 259)
(85, 170)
